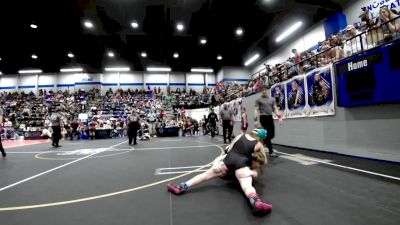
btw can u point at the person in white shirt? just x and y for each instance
(353, 44)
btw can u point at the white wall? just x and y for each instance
(109, 80)
(47, 81)
(211, 79)
(353, 10)
(131, 80)
(306, 41)
(66, 81)
(195, 81)
(220, 75)
(84, 81)
(8, 83)
(178, 79)
(156, 78)
(27, 83)
(236, 74)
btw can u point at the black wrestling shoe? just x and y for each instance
(273, 155)
(4, 154)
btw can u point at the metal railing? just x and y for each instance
(360, 42)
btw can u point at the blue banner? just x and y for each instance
(296, 97)
(320, 92)
(278, 94)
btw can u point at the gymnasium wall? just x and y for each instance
(235, 74)
(177, 80)
(195, 81)
(368, 131)
(133, 80)
(307, 40)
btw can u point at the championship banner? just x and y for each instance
(321, 100)
(278, 94)
(296, 97)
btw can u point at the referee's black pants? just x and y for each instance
(226, 125)
(132, 135)
(3, 153)
(268, 124)
(56, 135)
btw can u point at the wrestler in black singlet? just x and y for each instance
(240, 154)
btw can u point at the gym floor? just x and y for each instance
(108, 182)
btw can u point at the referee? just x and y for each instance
(56, 123)
(264, 108)
(228, 119)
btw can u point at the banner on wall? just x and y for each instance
(321, 100)
(278, 94)
(373, 6)
(369, 9)
(296, 97)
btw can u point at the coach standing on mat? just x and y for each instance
(227, 118)
(3, 153)
(56, 123)
(264, 108)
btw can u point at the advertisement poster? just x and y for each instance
(278, 94)
(320, 92)
(296, 97)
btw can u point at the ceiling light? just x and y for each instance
(34, 56)
(180, 27)
(219, 57)
(88, 24)
(176, 55)
(30, 71)
(68, 70)
(289, 31)
(202, 70)
(117, 69)
(158, 69)
(70, 55)
(111, 54)
(135, 24)
(239, 31)
(144, 54)
(203, 41)
(0, 59)
(252, 59)
(33, 26)
(1, 73)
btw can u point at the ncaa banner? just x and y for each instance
(278, 94)
(320, 86)
(296, 97)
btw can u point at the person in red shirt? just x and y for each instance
(183, 113)
(162, 113)
(187, 128)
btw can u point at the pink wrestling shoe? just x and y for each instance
(175, 189)
(259, 207)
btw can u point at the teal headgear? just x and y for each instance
(261, 133)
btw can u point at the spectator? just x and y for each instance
(355, 42)
(387, 18)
